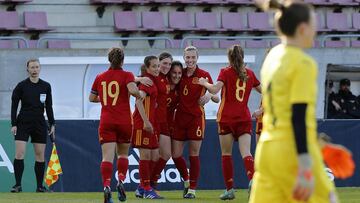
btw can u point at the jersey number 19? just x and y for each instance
(108, 92)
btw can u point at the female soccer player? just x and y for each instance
(145, 137)
(112, 89)
(289, 166)
(35, 96)
(163, 86)
(190, 120)
(234, 120)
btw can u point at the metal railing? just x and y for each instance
(103, 39)
(190, 38)
(325, 37)
(18, 38)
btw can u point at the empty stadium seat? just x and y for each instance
(36, 21)
(31, 43)
(256, 44)
(355, 43)
(9, 21)
(59, 44)
(225, 44)
(207, 21)
(259, 21)
(338, 22)
(6, 44)
(239, 1)
(318, 2)
(181, 21)
(233, 22)
(321, 27)
(343, 2)
(203, 44)
(126, 21)
(153, 21)
(335, 44)
(356, 21)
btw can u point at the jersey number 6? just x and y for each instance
(108, 91)
(240, 90)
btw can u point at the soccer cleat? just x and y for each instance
(228, 195)
(121, 192)
(186, 188)
(16, 189)
(42, 189)
(190, 194)
(139, 192)
(107, 195)
(151, 194)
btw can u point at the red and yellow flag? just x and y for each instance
(54, 168)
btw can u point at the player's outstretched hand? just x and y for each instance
(204, 99)
(304, 185)
(337, 157)
(146, 81)
(202, 81)
(148, 127)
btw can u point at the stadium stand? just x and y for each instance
(338, 22)
(233, 22)
(36, 21)
(181, 21)
(208, 22)
(9, 21)
(126, 21)
(153, 21)
(6, 44)
(32, 44)
(259, 21)
(58, 44)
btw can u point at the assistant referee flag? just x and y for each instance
(54, 168)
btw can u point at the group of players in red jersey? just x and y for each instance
(169, 112)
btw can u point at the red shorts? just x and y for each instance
(188, 127)
(259, 126)
(143, 139)
(236, 129)
(109, 132)
(163, 128)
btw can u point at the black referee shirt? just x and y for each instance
(34, 97)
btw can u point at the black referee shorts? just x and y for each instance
(36, 129)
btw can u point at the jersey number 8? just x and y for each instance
(240, 90)
(108, 91)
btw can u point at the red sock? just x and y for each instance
(159, 166)
(106, 169)
(227, 167)
(249, 166)
(194, 171)
(181, 167)
(122, 167)
(144, 173)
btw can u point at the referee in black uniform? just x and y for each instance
(35, 96)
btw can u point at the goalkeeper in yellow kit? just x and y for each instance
(288, 161)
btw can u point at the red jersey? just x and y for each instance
(172, 103)
(235, 95)
(190, 92)
(111, 87)
(149, 103)
(163, 87)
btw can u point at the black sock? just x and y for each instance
(39, 172)
(18, 170)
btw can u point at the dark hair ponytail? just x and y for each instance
(236, 60)
(289, 14)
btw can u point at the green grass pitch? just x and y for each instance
(347, 195)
